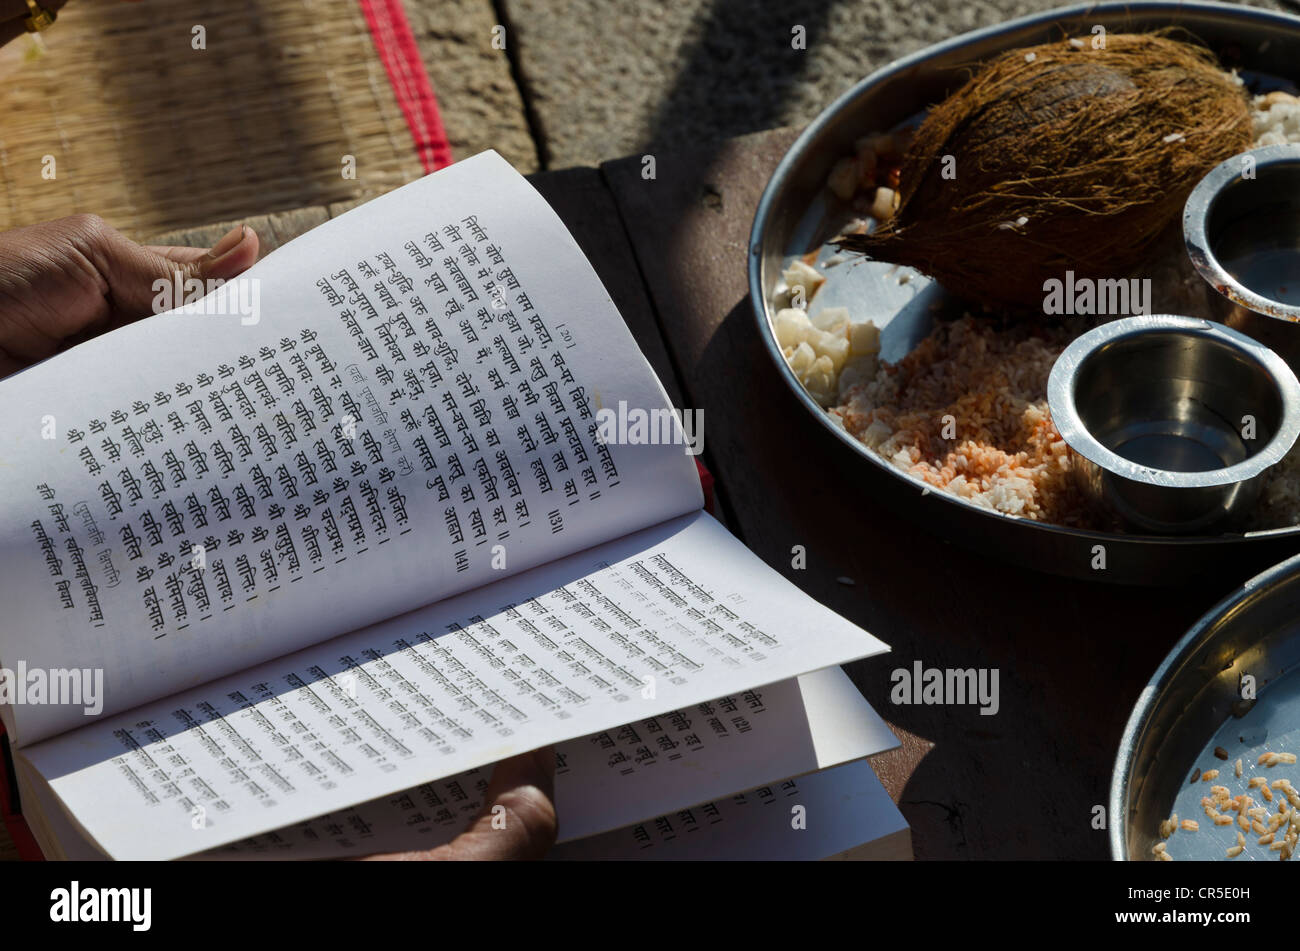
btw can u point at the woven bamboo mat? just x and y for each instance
(154, 134)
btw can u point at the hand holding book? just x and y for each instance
(64, 281)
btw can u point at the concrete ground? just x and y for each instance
(482, 105)
(583, 81)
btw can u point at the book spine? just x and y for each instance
(11, 807)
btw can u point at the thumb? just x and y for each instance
(130, 271)
(518, 819)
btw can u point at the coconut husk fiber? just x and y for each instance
(1065, 158)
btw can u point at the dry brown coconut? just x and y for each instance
(1065, 158)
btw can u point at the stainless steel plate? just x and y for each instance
(793, 219)
(1192, 705)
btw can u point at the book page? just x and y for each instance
(660, 620)
(398, 406)
(819, 816)
(618, 777)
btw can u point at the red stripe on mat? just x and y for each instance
(395, 44)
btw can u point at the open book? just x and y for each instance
(285, 571)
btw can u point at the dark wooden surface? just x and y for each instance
(1071, 656)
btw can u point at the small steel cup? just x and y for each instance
(1241, 225)
(1173, 420)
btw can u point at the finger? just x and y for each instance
(185, 255)
(131, 271)
(534, 768)
(518, 820)
(519, 823)
(235, 253)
